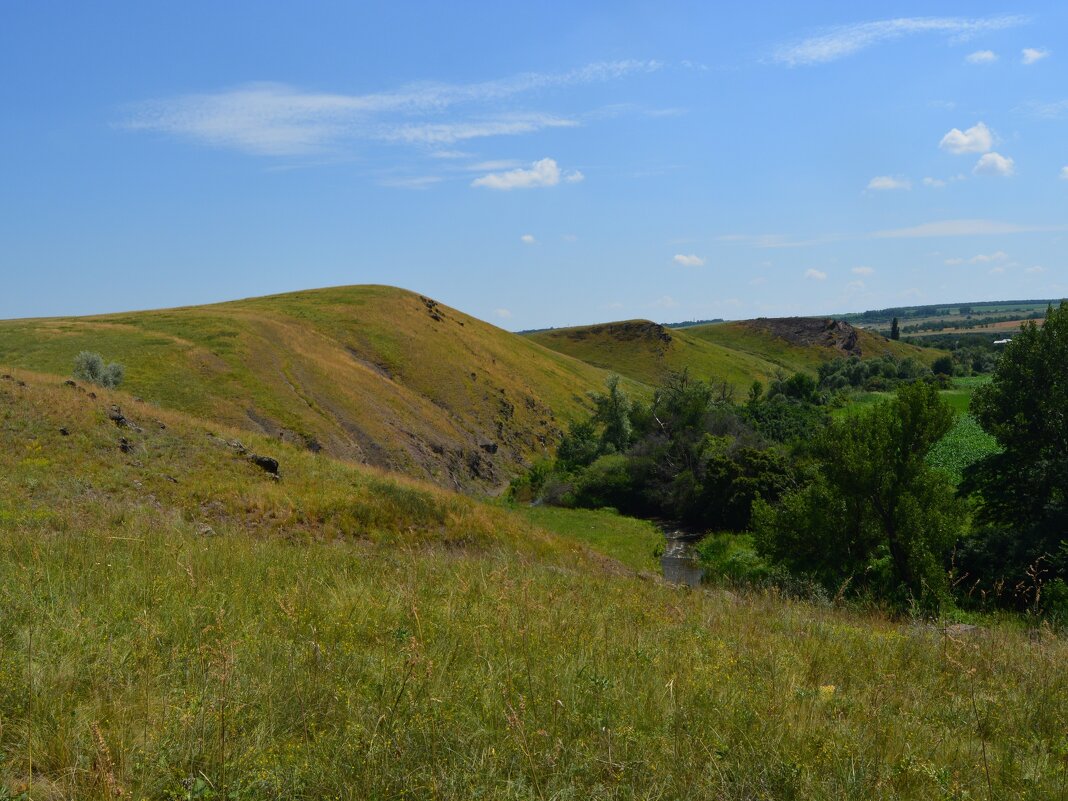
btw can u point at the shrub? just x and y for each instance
(90, 367)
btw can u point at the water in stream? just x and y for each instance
(679, 560)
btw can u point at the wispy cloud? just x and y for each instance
(840, 41)
(1049, 111)
(274, 119)
(1064, 173)
(415, 182)
(863, 271)
(815, 275)
(527, 239)
(981, 258)
(545, 172)
(981, 57)
(948, 228)
(690, 260)
(1029, 55)
(882, 183)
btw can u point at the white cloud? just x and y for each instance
(1035, 270)
(845, 40)
(544, 172)
(815, 275)
(977, 139)
(995, 271)
(449, 154)
(863, 271)
(994, 164)
(961, 228)
(573, 177)
(981, 57)
(688, 261)
(935, 183)
(503, 314)
(1029, 55)
(499, 164)
(1064, 173)
(886, 182)
(527, 239)
(275, 119)
(953, 262)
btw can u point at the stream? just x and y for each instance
(679, 560)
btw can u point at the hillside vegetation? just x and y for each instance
(738, 353)
(371, 374)
(177, 624)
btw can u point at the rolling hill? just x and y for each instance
(371, 374)
(736, 352)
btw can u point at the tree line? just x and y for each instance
(846, 502)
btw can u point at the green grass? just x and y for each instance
(176, 625)
(965, 444)
(633, 542)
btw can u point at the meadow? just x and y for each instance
(179, 625)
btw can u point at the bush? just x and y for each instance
(90, 367)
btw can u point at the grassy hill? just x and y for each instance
(177, 624)
(372, 374)
(738, 352)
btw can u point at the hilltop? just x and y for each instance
(371, 374)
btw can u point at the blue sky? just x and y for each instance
(535, 164)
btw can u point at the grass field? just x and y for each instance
(633, 542)
(177, 625)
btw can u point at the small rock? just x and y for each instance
(64, 432)
(489, 447)
(160, 425)
(266, 463)
(172, 479)
(92, 395)
(7, 377)
(206, 531)
(125, 445)
(21, 383)
(70, 383)
(116, 416)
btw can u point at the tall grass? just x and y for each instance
(411, 644)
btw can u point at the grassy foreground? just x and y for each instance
(339, 634)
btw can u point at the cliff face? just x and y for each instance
(826, 333)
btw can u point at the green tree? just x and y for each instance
(1024, 487)
(895, 330)
(612, 414)
(875, 514)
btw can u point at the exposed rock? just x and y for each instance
(804, 331)
(125, 445)
(67, 383)
(64, 432)
(266, 463)
(116, 416)
(489, 447)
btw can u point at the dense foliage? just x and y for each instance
(1022, 489)
(864, 501)
(876, 514)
